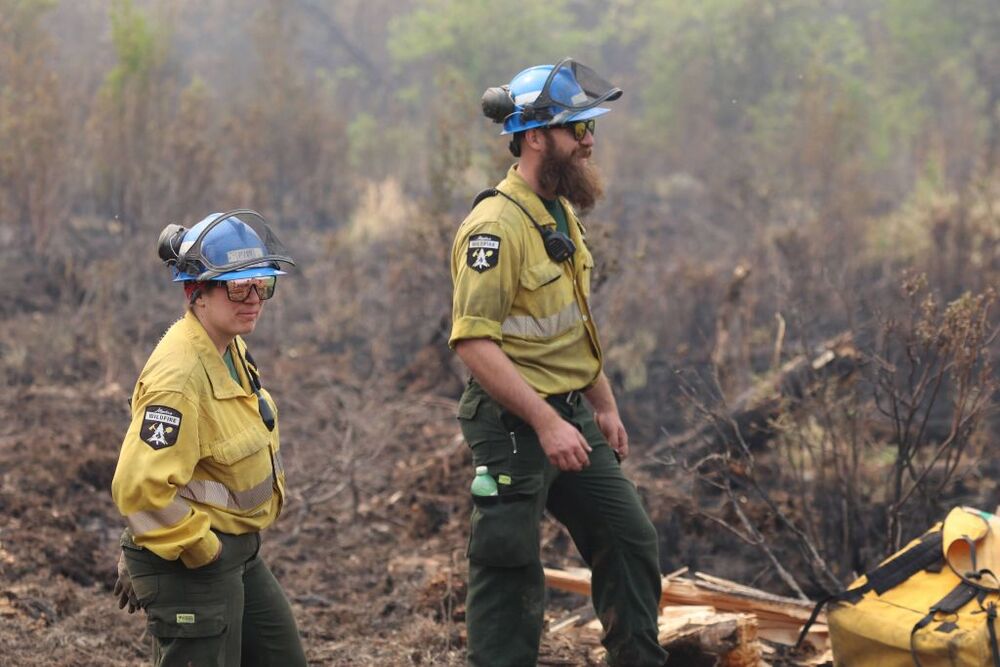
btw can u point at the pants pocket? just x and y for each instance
(146, 588)
(504, 530)
(172, 621)
(468, 405)
(144, 576)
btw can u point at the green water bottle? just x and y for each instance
(484, 484)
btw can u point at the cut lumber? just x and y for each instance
(731, 596)
(576, 580)
(778, 619)
(732, 637)
(578, 616)
(563, 624)
(695, 633)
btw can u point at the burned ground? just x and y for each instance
(370, 547)
(376, 573)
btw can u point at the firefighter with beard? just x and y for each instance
(539, 411)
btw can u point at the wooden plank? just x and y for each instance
(574, 581)
(731, 637)
(565, 623)
(722, 594)
(779, 618)
(686, 591)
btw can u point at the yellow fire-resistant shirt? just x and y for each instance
(507, 289)
(197, 455)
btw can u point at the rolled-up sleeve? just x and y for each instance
(485, 261)
(158, 457)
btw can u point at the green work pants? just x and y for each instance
(229, 613)
(601, 509)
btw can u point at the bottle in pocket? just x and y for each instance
(484, 484)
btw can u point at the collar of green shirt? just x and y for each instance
(555, 209)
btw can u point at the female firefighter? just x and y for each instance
(199, 474)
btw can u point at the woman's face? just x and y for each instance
(224, 319)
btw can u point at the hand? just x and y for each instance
(565, 446)
(217, 556)
(123, 587)
(614, 430)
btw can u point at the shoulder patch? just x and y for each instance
(160, 426)
(483, 252)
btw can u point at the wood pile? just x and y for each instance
(711, 621)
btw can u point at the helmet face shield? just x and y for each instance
(571, 88)
(227, 246)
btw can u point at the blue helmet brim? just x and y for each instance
(581, 115)
(258, 272)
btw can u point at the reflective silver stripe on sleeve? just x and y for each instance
(150, 520)
(547, 327)
(210, 492)
(279, 467)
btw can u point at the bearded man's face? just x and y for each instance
(566, 170)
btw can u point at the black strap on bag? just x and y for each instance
(991, 617)
(959, 596)
(924, 555)
(814, 615)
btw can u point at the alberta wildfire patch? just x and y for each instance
(483, 253)
(160, 426)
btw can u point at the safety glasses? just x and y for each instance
(580, 128)
(239, 290)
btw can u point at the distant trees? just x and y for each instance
(132, 111)
(802, 140)
(32, 127)
(761, 101)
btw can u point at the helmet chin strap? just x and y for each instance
(192, 290)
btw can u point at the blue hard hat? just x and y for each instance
(223, 246)
(547, 95)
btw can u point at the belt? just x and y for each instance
(569, 398)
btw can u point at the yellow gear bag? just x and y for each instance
(932, 604)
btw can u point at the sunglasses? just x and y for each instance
(239, 290)
(580, 128)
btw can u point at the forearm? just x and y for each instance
(563, 444)
(606, 415)
(497, 375)
(600, 396)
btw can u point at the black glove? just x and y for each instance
(123, 588)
